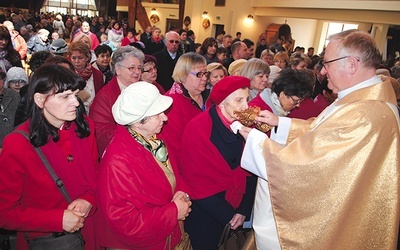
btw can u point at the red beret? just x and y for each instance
(227, 86)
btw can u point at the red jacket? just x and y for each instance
(100, 112)
(306, 110)
(179, 115)
(135, 197)
(30, 200)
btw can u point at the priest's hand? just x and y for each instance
(267, 117)
(237, 221)
(244, 131)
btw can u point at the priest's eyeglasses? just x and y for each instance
(325, 63)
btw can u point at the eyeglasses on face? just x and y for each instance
(200, 74)
(149, 70)
(133, 68)
(325, 63)
(173, 41)
(17, 82)
(296, 101)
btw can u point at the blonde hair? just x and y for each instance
(186, 63)
(299, 57)
(80, 37)
(215, 66)
(253, 67)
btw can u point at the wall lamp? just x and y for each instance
(205, 14)
(153, 10)
(249, 19)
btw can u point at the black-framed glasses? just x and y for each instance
(325, 63)
(133, 68)
(296, 101)
(200, 74)
(151, 69)
(174, 41)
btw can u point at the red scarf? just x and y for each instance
(156, 39)
(86, 73)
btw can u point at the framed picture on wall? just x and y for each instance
(219, 2)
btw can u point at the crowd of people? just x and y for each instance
(142, 129)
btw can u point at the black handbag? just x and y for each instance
(233, 239)
(57, 240)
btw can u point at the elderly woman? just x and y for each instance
(142, 198)
(189, 94)
(39, 42)
(32, 203)
(257, 71)
(288, 90)
(221, 191)
(149, 73)
(127, 65)
(217, 72)
(103, 54)
(155, 43)
(79, 54)
(9, 57)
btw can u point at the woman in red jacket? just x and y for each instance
(32, 204)
(142, 198)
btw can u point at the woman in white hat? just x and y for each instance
(142, 196)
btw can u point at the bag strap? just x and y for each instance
(223, 241)
(58, 181)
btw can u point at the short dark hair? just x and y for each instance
(298, 83)
(248, 42)
(190, 33)
(103, 48)
(238, 33)
(222, 50)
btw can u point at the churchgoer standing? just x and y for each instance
(221, 191)
(140, 185)
(115, 35)
(168, 58)
(189, 94)
(341, 153)
(155, 43)
(9, 100)
(32, 203)
(9, 57)
(127, 65)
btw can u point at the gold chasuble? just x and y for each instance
(336, 184)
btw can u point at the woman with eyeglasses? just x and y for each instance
(127, 66)
(149, 73)
(142, 198)
(155, 43)
(288, 90)
(189, 94)
(79, 54)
